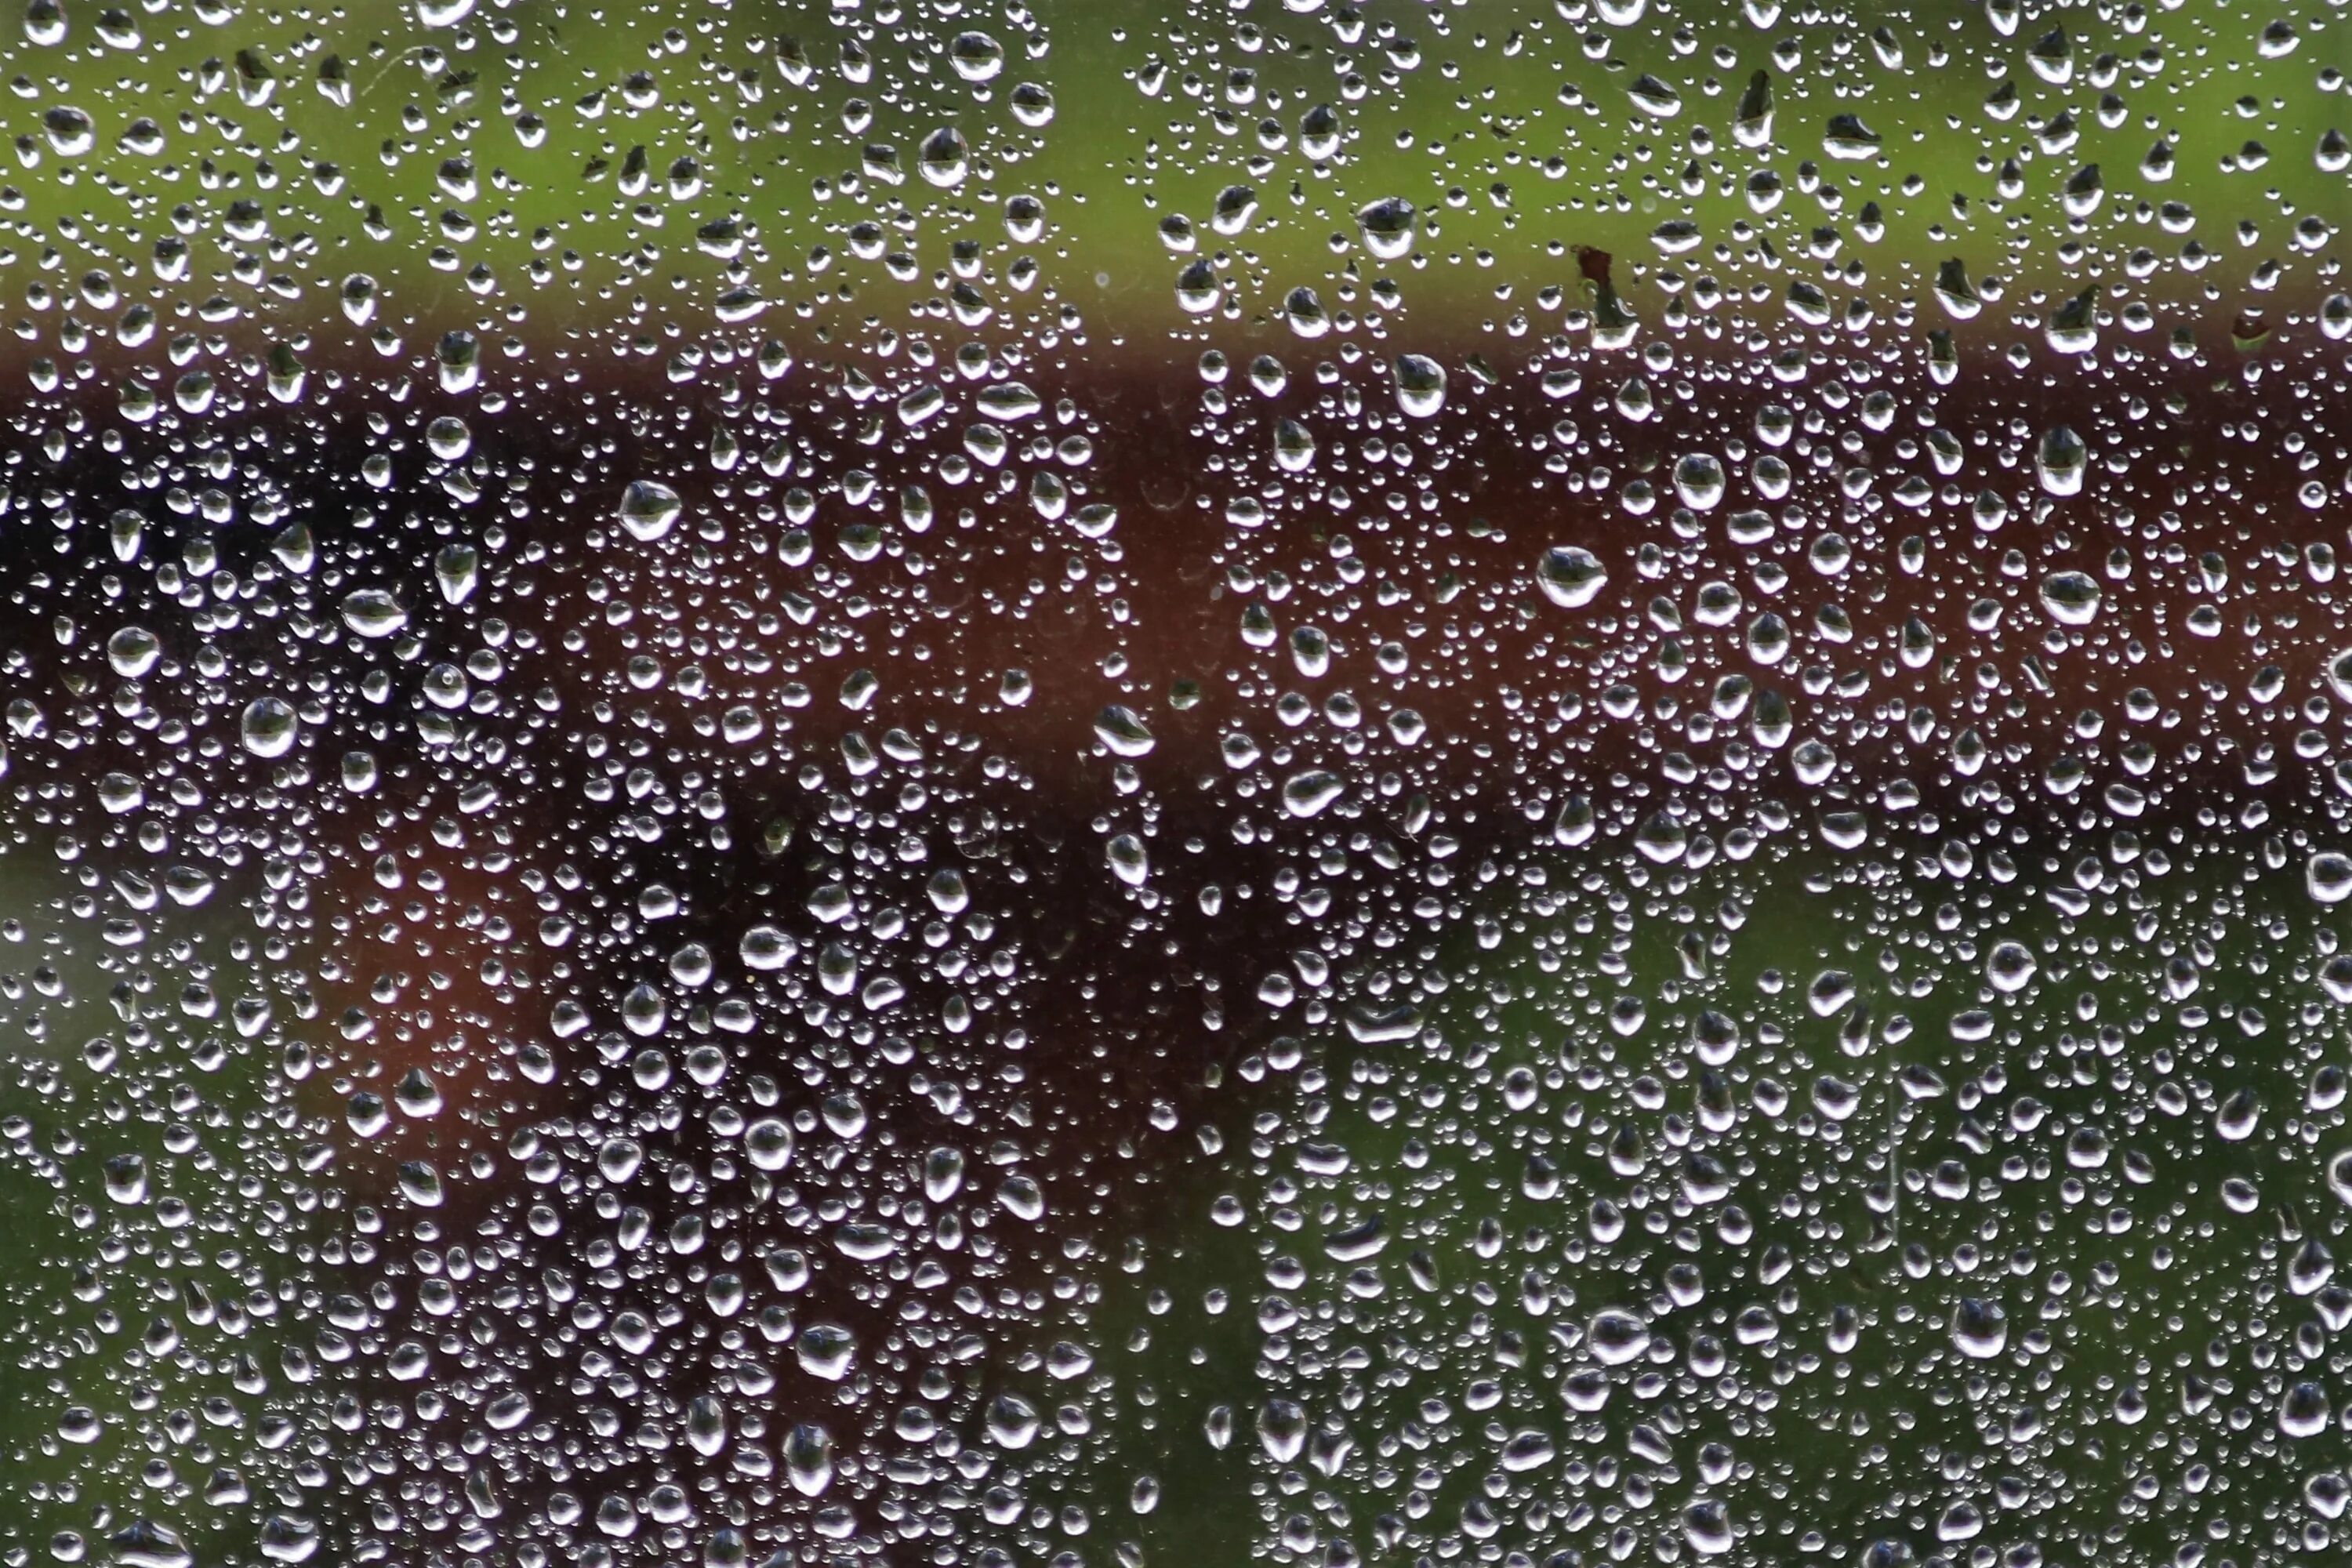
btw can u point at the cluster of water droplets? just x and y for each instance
(722, 848)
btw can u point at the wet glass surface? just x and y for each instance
(1098, 784)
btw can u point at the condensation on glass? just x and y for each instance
(1440, 782)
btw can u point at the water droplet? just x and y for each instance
(824, 1350)
(1122, 731)
(1654, 96)
(2071, 599)
(2010, 968)
(944, 158)
(1528, 1450)
(1570, 577)
(131, 652)
(808, 1458)
(126, 1178)
(2304, 1411)
(1706, 1525)
(1307, 794)
(976, 57)
(767, 948)
(2060, 461)
(1128, 860)
(1979, 1328)
(420, 1183)
(1699, 480)
(1282, 1429)
(1420, 386)
(448, 438)
(373, 613)
(649, 510)
(269, 727)
(1196, 289)
(1388, 227)
(2340, 1175)
(287, 1538)
(1616, 1336)
(144, 1543)
(1012, 1421)
(418, 1094)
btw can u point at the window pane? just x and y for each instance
(1065, 785)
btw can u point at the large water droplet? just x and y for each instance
(2071, 599)
(1388, 226)
(1616, 1336)
(373, 613)
(2010, 968)
(1571, 576)
(1979, 1328)
(1420, 386)
(649, 510)
(269, 727)
(1122, 731)
(132, 652)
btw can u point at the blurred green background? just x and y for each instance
(522, 168)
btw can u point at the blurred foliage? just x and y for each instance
(1824, 1253)
(551, 163)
